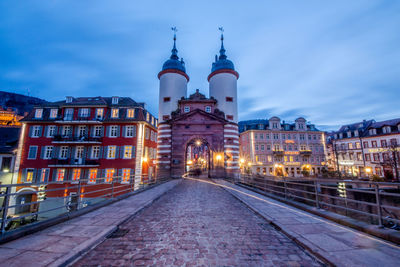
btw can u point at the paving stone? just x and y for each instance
(198, 224)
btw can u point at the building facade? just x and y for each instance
(367, 148)
(195, 131)
(101, 139)
(272, 147)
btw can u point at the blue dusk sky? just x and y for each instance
(333, 62)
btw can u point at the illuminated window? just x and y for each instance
(111, 151)
(148, 116)
(29, 175)
(76, 174)
(53, 113)
(60, 175)
(130, 113)
(38, 113)
(126, 174)
(92, 176)
(99, 113)
(109, 175)
(127, 152)
(44, 175)
(114, 113)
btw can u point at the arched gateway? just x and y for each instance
(196, 132)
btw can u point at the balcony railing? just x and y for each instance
(82, 118)
(278, 152)
(71, 139)
(74, 162)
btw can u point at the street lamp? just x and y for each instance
(145, 159)
(198, 143)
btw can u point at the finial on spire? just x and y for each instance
(222, 50)
(174, 51)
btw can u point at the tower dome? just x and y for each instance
(222, 64)
(174, 64)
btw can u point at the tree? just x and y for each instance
(391, 158)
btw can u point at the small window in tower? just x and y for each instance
(208, 109)
(229, 117)
(166, 117)
(229, 99)
(167, 99)
(186, 109)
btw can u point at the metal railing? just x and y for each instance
(372, 202)
(26, 203)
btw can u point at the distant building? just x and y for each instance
(96, 138)
(272, 147)
(8, 150)
(8, 117)
(367, 147)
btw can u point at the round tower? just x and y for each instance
(173, 84)
(223, 84)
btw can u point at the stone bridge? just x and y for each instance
(198, 222)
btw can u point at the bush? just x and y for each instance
(376, 178)
(305, 173)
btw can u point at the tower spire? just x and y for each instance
(174, 51)
(222, 50)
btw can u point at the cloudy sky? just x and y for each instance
(333, 62)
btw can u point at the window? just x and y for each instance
(66, 131)
(114, 100)
(167, 99)
(44, 175)
(76, 175)
(48, 152)
(165, 117)
(130, 113)
(358, 145)
(261, 136)
(126, 174)
(36, 131)
(208, 109)
(365, 144)
(111, 151)
(372, 131)
(373, 143)
(97, 131)
(148, 116)
(376, 157)
(229, 99)
(383, 143)
(229, 117)
(275, 125)
(99, 113)
(32, 152)
(127, 152)
(60, 175)
(95, 152)
(81, 131)
(276, 136)
(6, 164)
(393, 142)
(147, 133)
(79, 152)
(63, 152)
(69, 114)
(130, 131)
(309, 137)
(262, 147)
(302, 137)
(186, 109)
(84, 112)
(283, 136)
(92, 176)
(256, 147)
(53, 113)
(109, 175)
(30, 173)
(51, 131)
(38, 113)
(350, 145)
(114, 113)
(113, 131)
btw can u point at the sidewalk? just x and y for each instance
(62, 243)
(332, 242)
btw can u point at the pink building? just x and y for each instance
(272, 147)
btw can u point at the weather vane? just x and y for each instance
(221, 29)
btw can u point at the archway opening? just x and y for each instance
(197, 158)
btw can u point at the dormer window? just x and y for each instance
(84, 112)
(372, 131)
(99, 113)
(114, 100)
(208, 109)
(69, 99)
(261, 127)
(38, 113)
(349, 134)
(186, 109)
(341, 135)
(356, 133)
(275, 125)
(114, 113)
(53, 113)
(130, 113)
(386, 129)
